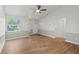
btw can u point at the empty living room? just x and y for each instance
(40, 29)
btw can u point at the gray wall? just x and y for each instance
(53, 23)
(71, 13)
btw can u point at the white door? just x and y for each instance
(60, 26)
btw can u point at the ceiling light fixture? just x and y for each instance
(37, 11)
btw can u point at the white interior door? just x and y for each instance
(60, 26)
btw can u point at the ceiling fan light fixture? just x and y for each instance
(37, 11)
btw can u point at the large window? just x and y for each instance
(12, 24)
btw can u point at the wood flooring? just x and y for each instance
(39, 44)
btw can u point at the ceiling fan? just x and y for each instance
(39, 9)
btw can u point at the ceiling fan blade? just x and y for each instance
(43, 9)
(38, 6)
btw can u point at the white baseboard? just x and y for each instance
(17, 37)
(48, 35)
(72, 42)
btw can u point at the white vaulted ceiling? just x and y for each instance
(28, 10)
